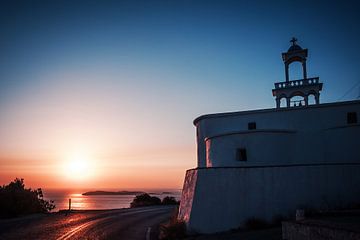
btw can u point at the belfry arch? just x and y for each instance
(295, 70)
(300, 87)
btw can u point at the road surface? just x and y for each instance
(133, 223)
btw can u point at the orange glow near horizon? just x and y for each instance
(81, 169)
(75, 140)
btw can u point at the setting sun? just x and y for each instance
(78, 167)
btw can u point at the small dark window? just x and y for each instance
(241, 154)
(351, 117)
(252, 125)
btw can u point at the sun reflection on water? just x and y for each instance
(81, 202)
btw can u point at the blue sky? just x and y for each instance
(230, 46)
(124, 72)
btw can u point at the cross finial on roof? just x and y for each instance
(293, 41)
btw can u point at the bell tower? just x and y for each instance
(300, 87)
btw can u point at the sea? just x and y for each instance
(100, 202)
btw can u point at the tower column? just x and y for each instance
(287, 102)
(306, 99)
(317, 98)
(304, 69)
(287, 72)
(277, 102)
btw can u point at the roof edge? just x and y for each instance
(228, 114)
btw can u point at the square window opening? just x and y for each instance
(351, 117)
(251, 125)
(241, 154)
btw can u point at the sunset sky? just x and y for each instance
(102, 94)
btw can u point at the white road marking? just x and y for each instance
(72, 232)
(77, 229)
(148, 233)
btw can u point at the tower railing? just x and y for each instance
(297, 103)
(296, 83)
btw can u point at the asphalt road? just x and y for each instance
(135, 223)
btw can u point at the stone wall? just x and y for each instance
(305, 231)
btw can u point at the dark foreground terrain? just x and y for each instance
(133, 223)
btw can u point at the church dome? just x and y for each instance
(294, 48)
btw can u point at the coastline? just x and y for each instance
(103, 202)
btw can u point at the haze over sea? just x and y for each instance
(100, 202)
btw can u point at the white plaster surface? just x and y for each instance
(296, 157)
(301, 132)
(224, 198)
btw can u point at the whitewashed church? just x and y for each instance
(268, 163)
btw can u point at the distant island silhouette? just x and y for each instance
(112, 193)
(90, 193)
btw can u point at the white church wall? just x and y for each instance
(224, 198)
(342, 144)
(262, 148)
(310, 125)
(296, 157)
(270, 147)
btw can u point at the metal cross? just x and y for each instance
(293, 41)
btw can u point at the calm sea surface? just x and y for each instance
(80, 202)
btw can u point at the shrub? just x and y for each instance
(16, 200)
(145, 200)
(169, 201)
(175, 229)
